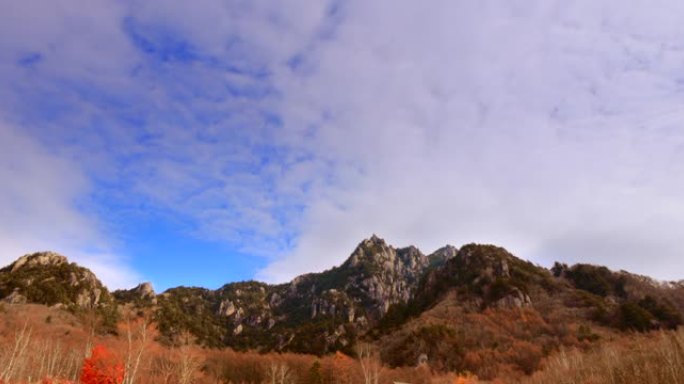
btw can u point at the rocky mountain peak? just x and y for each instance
(411, 257)
(46, 258)
(49, 278)
(375, 238)
(372, 250)
(145, 290)
(143, 294)
(487, 259)
(381, 275)
(447, 251)
(442, 255)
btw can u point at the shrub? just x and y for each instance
(101, 368)
(664, 312)
(591, 278)
(634, 317)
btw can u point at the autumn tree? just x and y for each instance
(101, 368)
(341, 368)
(466, 379)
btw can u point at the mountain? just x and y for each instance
(488, 312)
(314, 313)
(49, 278)
(478, 308)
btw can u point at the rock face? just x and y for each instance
(227, 308)
(88, 298)
(386, 275)
(38, 259)
(15, 298)
(145, 291)
(442, 255)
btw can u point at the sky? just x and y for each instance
(198, 143)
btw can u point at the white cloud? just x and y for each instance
(547, 127)
(550, 129)
(38, 210)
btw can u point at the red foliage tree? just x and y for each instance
(101, 368)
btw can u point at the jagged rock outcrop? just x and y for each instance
(145, 291)
(142, 295)
(386, 275)
(38, 259)
(376, 275)
(439, 257)
(226, 308)
(15, 298)
(515, 298)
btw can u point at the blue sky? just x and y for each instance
(196, 143)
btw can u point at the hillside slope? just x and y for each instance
(491, 313)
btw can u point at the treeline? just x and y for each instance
(640, 307)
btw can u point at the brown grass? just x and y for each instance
(652, 358)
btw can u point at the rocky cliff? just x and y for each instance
(314, 313)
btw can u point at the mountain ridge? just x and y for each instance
(404, 301)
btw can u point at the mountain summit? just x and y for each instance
(49, 278)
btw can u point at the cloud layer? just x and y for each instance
(291, 132)
(39, 206)
(553, 130)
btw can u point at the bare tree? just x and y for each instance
(188, 361)
(164, 369)
(370, 364)
(51, 359)
(280, 373)
(137, 333)
(28, 357)
(17, 353)
(91, 322)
